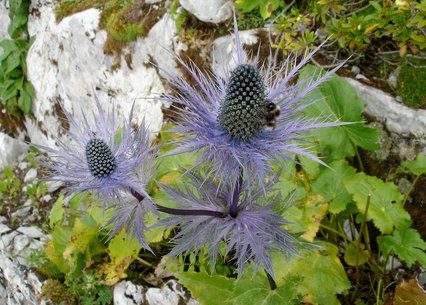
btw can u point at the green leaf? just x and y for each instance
(310, 166)
(122, 246)
(306, 217)
(386, 209)
(406, 243)
(16, 26)
(57, 212)
(208, 289)
(76, 201)
(417, 166)
(247, 5)
(83, 232)
(318, 274)
(12, 61)
(329, 184)
(8, 172)
(354, 256)
(61, 238)
(255, 289)
(268, 7)
(8, 47)
(337, 100)
(24, 102)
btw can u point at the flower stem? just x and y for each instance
(233, 209)
(272, 283)
(172, 211)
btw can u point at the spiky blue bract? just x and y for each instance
(250, 236)
(254, 150)
(124, 152)
(129, 214)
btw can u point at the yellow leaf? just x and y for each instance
(170, 177)
(115, 271)
(417, 37)
(318, 204)
(409, 293)
(403, 50)
(371, 28)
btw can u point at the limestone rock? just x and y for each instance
(67, 64)
(10, 148)
(224, 50)
(18, 285)
(4, 228)
(127, 293)
(171, 293)
(397, 118)
(5, 20)
(214, 11)
(30, 175)
(32, 232)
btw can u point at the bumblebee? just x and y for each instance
(271, 112)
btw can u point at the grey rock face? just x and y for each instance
(18, 285)
(67, 65)
(171, 293)
(397, 118)
(10, 148)
(214, 11)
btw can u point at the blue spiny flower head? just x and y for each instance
(242, 112)
(248, 117)
(103, 156)
(250, 231)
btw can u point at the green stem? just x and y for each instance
(361, 166)
(271, 281)
(334, 231)
(410, 190)
(358, 242)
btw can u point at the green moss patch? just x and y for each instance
(124, 20)
(412, 83)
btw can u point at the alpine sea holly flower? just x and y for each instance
(240, 217)
(102, 156)
(248, 118)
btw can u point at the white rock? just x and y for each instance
(32, 232)
(30, 175)
(53, 186)
(127, 293)
(67, 61)
(18, 286)
(214, 11)
(224, 55)
(24, 212)
(47, 198)
(355, 70)
(361, 77)
(19, 243)
(397, 118)
(5, 20)
(4, 228)
(3, 219)
(393, 78)
(10, 148)
(163, 296)
(23, 165)
(28, 202)
(6, 240)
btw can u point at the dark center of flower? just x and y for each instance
(100, 158)
(242, 114)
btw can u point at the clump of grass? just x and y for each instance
(412, 83)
